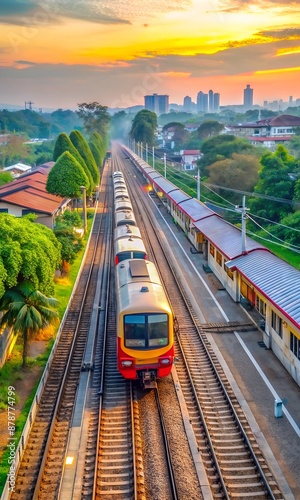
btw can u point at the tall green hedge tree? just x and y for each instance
(67, 177)
(63, 143)
(83, 148)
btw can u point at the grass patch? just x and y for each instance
(10, 373)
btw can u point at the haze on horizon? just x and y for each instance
(60, 53)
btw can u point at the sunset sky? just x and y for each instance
(60, 53)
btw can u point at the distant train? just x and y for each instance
(145, 337)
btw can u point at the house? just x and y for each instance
(27, 194)
(268, 132)
(189, 158)
(17, 169)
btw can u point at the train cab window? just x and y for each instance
(135, 331)
(158, 330)
(146, 331)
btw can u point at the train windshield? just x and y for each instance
(144, 331)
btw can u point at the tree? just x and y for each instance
(238, 172)
(97, 155)
(66, 177)
(14, 151)
(144, 126)
(65, 232)
(221, 147)
(288, 229)
(5, 178)
(95, 117)
(63, 143)
(83, 148)
(274, 180)
(209, 128)
(27, 311)
(28, 251)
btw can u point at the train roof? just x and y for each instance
(274, 278)
(123, 205)
(139, 288)
(121, 196)
(120, 190)
(123, 218)
(226, 237)
(117, 173)
(119, 184)
(127, 230)
(129, 244)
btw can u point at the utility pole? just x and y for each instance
(165, 164)
(243, 210)
(198, 185)
(146, 153)
(83, 189)
(153, 158)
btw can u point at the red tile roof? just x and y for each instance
(29, 192)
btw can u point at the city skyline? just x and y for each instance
(60, 53)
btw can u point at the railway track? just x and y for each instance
(234, 463)
(115, 470)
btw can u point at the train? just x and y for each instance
(145, 330)
(144, 319)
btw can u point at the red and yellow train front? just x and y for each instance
(146, 344)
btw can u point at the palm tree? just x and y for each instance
(27, 310)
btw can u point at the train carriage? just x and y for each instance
(124, 219)
(129, 248)
(123, 206)
(121, 194)
(117, 175)
(145, 337)
(127, 230)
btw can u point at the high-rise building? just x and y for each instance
(202, 102)
(210, 101)
(157, 103)
(216, 103)
(248, 97)
(187, 104)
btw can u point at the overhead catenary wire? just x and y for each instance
(209, 186)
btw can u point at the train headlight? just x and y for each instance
(127, 363)
(165, 361)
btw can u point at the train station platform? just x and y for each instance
(269, 396)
